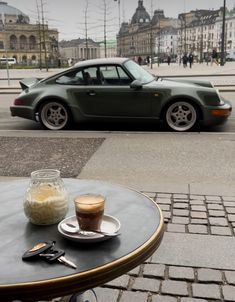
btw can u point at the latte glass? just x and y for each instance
(89, 211)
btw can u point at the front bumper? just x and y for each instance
(217, 115)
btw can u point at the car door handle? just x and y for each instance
(91, 92)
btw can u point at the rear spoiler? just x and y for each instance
(28, 82)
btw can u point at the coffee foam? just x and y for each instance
(89, 203)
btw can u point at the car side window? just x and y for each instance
(124, 78)
(114, 75)
(95, 75)
(90, 76)
(74, 77)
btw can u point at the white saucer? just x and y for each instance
(109, 224)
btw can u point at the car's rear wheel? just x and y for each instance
(54, 115)
(181, 116)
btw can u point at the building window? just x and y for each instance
(23, 42)
(1, 45)
(34, 59)
(24, 60)
(32, 42)
(13, 42)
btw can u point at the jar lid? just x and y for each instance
(45, 174)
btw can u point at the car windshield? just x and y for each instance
(138, 72)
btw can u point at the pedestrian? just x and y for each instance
(185, 60)
(214, 57)
(139, 60)
(169, 60)
(69, 62)
(148, 60)
(179, 58)
(190, 60)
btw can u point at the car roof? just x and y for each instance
(115, 60)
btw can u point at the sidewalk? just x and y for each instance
(195, 262)
(197, 69)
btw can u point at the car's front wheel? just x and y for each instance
(54, 115)
(181, 116)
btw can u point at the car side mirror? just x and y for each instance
(136, 85)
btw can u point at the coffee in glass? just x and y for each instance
(89, 211)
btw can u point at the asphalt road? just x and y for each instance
(9, 123)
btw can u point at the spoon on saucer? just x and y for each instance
(71, 228)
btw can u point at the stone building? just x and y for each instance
(26, 42)
(166, 43)
(199, 32)
(110, 50)
(79, 49)
(229, 33)
(138, 38)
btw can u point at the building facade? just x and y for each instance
(27, 43)
(166, 42)
(108, 51)
(197, 32)
(79, 49)
(201, 32)
(139, 37)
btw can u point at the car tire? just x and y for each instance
(54, 115)
(181, 116)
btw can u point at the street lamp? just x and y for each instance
(222, 59)
(119, 21)
(119, 12)
(5, 48)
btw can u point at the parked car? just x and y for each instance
(9, 61)
(121, 90)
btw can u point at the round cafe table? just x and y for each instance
(97, 263)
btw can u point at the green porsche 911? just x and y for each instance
(118, 89)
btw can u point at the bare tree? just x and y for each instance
(44, 35)
(40, 37)
(105, 25)
(86, 27)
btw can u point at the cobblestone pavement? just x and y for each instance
(198, 214)
(153, 282)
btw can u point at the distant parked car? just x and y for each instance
(121, 90)
(10, 61)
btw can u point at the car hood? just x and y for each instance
(187, 82)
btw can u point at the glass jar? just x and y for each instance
(46, 200)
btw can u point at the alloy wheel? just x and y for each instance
(54, 116)
(181, 116)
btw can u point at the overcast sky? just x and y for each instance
(68, 16)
